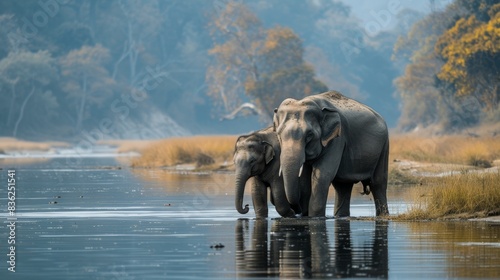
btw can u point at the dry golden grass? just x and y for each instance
(125, 146)
(13, 144)
(467, 194)
(198, 150)
(436, 149)
(460, 196)
(481, 151)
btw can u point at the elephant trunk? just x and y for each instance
(291, 168)
(241, 179)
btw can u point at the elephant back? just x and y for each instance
(350, 109)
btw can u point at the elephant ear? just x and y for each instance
(330, 126)
(268, 151)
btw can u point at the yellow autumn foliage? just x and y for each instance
(471, 49)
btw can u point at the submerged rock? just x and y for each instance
(217, 246)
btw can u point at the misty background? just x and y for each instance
(152, 69)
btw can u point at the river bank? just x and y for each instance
(420, 165)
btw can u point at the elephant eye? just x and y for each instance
(309, 136)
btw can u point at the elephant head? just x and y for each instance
(251, 155)
(304, 129)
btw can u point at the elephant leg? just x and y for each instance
(304, 203)
(323, 172)
(259, 197)
(305, 189)
(380, 197)
(279, 199)
(342, 199)
(379, 183)
(319, 196)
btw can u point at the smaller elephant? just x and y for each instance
(257, 162)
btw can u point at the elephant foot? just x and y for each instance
(382, 210)
(380, 199)
(286, 213)
(343, 218)
(342, 214)
(296, 209)
(261, 214)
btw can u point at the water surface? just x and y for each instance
(111, 223)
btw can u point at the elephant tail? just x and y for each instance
(366, 187)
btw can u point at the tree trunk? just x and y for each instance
(81, 110)
(12, 102)
(21, 114)
(132, 55)
(125, 53)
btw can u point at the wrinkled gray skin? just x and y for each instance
(344, 141)
(256, 160)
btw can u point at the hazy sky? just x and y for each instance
(379, 14)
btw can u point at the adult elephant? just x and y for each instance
(257, 161)
(343, 140)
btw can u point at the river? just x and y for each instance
(94, 218)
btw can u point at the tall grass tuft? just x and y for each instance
(197, 150)
(464, 195)
(480, 151)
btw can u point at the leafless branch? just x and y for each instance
(249, 107)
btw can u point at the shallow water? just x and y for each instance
(112, 223)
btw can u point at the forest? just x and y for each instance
(135, 69)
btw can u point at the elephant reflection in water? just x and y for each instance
(300, 248)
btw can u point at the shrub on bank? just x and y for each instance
(464, 195)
